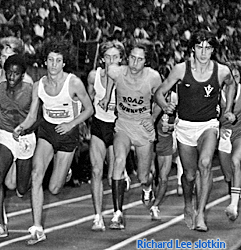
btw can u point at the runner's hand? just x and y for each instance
(63, 128)
(230, 117)
(147, 124)
(17, 132)
(104, 104)
(224, 133)
(170, 107)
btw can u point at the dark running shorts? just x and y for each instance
(164, 145)
(103, 130)
(66, 143)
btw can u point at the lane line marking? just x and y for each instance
(63, 202)
(77, 222)
(160, 227)
(85, 197)
(91, 217)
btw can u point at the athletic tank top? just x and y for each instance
(134, 102)
(236, 110)
(14, 111)
(197, 101)
(106, 116)
(60, 108)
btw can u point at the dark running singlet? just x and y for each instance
(197, 101)
(14, 111)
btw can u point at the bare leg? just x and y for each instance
(226, 165)
(164, 164)
(97, 157)
(42, 157)
(179, 175)
(6, 159)
(11, 177)
(62, 163)
(121, 149)
(24, 169)
(232, 209)
(110, 161)
(188, 156)
(206, 147)
(144, 161)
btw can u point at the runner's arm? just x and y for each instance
(32, 115)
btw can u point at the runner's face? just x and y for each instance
(55, 63)
(112, 56)
(14, 75)
(203, 52)
(137, 60)
(236, 75)
(5, 53)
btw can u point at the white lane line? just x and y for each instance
(77, 222)
(17, 231)
(85, 197)
(215, 168)
(90, 217)
(161, 227)
(63, 202)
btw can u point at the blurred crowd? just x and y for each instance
(167, 24)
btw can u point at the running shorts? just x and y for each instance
(103, 130)
(22, 149)
(66, 143)
(188, 132)
(135, 130)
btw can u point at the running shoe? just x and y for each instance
(147, 196)
(3, 231)
(18, 194)
(37, 235)
(98, 223)
(179, 190)
(5, 218)
(155, 213)
(127, 183)
(68, 176)
(231, 212)
(117, 221)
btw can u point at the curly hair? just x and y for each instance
(56, 46)
(16, 60)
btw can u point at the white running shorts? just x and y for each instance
(225, 145)
(188, 132)
(22, 149)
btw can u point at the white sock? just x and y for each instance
(235, 193)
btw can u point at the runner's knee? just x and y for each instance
(10, 185)
(54, 189)
(236, 162)
(143, 178)
(190, 175)
(96, 172)
(205, 163)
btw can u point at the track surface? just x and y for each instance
(68, 220)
